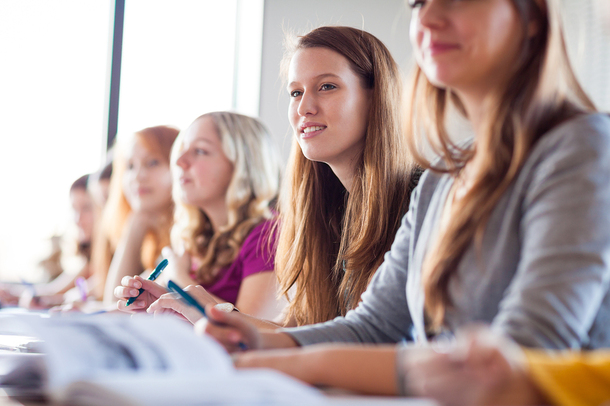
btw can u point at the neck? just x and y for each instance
(345, 172)
(476, 110)
(217, 214)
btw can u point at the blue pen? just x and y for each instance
(154, 275)
(171, 285)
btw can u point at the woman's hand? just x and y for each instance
(171, 301)
(483, 369)
(129, 288)
(232, 330)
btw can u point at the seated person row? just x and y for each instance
(348, 182)
(226, 173)
(510, 229)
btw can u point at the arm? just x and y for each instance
(127, 260)
(61, 284)
(564, 267)
(360, 369)
(258, 296)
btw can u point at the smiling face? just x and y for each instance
(469, 45)
(147, 182)
(329, 106)
(202, 168)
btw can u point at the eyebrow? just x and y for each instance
(320, 76)
(202, 140)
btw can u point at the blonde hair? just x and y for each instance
(543, 92)
(331, 242)
(157, 140)
(253, 187)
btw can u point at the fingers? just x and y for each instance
(231, 330)
(202, 295)
(171, 302)
(153, 288)
(228, 337)
(138, 305)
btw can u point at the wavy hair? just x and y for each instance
(331, 242)
(541, 93)
(251, 192)
(157, 140)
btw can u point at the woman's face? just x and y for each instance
(82, 209)
(202, 168)
(147, 182)
(466, 45)
(328, 108)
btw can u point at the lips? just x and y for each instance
(309, 130)
(436, 48)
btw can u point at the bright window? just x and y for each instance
(181, 58)
(52, 99)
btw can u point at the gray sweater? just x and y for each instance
(544, 272)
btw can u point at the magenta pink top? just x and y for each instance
(256, 255)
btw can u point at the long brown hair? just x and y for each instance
(331, 242)
(254, 185)
(543, 92)
(159, 140)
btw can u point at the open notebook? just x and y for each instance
(143, 360)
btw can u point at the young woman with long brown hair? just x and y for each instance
(349, 177)
(511, 229)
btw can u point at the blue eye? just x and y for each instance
(200, 151)
(327, 86)
(295, 93)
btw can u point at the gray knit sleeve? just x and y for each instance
(564, 268)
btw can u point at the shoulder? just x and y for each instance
(261, 240)
(581, 141)
(265, 230)
(258, 250)
(585, 132)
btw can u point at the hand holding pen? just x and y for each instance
(211, 315)
(137, 293)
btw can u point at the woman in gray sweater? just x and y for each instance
(510, 229)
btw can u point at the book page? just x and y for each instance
(86, 347)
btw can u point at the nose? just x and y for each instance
(307, 105)
(140, 171)
(432, 15)
(182, 160)
(78, 218)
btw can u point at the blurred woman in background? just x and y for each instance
(136, 221)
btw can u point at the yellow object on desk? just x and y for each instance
(571, 377)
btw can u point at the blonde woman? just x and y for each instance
(226, 176)
(511, 229)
